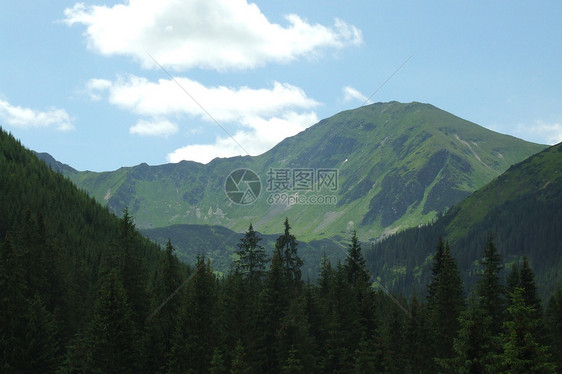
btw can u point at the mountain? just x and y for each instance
(522, 209)
(376, 169)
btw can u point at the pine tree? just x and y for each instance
(489, 290)
(195, 334)
(41, 345)
(447, 305)
(13, 308)
(475, 345)
(274, 302)
(435, 271)
(286, 247)
(133, 270)
(293, 337)
(217, 363)
(521, 352)
(239, 364)
(111, 338)
(553, 319)
(293, 364)
(165, 306)
(251, 256)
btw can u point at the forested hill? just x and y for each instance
(57, 247)
(522, 208)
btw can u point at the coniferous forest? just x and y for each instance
(81, 291)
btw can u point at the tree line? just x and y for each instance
(262, 317)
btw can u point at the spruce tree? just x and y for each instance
(489, 290)
(436, 266)
(553, 319)
(521, 351)
(286, 246)
(42, 353)
(447, 305)
(475, 345)
(195, 334)
(111, 339)
(273, 304)
(251, 256)
(13, 308)
(239, 365)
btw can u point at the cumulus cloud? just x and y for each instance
(165, 97)
(211, 34)
(542, 132)
(18, 116)
(161, 127)
(260, 117)
(259, 136)
(351, 94)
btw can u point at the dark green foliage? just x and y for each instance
(195, 336)
(553, 324)
(446, 306)
(251, 256)
(111, 339)
(521, 351)
(475, 347)
(82, 292)
(42, 348)
(488, 289)
(286, 247)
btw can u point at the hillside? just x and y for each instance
(522, 208)
(219, 245)
(58, 248)
(392, 166)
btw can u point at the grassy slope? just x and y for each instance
(398, 165)
(522, 208)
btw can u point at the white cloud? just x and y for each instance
(259, 136)
(18, 116)
(165, 97)
(95, 86)
(549, 133)
(213, 34)
(261, 117)
(351, 94)
(160, 127)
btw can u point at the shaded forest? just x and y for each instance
(81, 291)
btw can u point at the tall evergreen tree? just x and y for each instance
(553, 319)
(489, 290)
(13, 308)
(111, 339)
(521, 351)
(165, 306)
(274, 302)
(41, 346)
(286, 246)
(447, 305)
(436, 266)
(475, 345)
(251, 256)
(195, 335)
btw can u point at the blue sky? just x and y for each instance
(77, 79)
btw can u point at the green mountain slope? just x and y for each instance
(62, 240)
(397, 166)
(522, 208)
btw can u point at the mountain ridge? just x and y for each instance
(397, 165)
